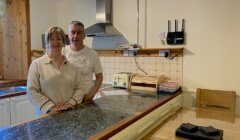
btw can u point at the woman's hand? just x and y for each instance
(60, 107)
(53, 109)
(64, 106)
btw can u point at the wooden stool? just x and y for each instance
(225, 100)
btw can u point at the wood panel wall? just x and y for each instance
(15, 39)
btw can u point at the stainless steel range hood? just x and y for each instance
(104, 26)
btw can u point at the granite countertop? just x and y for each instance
(87, 120)
(11, 88)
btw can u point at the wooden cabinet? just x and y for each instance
(15, 110)
(143, 126)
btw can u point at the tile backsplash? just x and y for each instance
(171, 68)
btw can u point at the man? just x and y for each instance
(84, 58)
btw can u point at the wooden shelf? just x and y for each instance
(37, 53)
(149, 52)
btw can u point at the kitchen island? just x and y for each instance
(101, 119)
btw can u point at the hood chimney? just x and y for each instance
(103, 26)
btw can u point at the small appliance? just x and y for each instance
(121, 80)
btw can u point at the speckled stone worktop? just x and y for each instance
(83, 122)
(11, 88)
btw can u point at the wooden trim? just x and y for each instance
(148, 52)
(114, 129)
(28, 32)
(12, 95)
(11, 83)
(37, 53)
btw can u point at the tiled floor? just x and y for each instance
(228, 122)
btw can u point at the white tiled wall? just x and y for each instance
(171, 68)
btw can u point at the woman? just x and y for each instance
(53, 82)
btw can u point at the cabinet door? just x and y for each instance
(4, 112)
(143, 126)
(21, 109)
(163, 112)
(176, 103)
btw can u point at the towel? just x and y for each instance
(168, 86)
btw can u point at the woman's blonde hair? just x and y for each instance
(52, 30)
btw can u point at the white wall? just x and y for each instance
(45, 13)
(211, 44)
(42, 15)
(211, 57)
(125, 18)
(81, 10)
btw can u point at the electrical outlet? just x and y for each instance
(132, 52)
(164, 53)
(162, 37)
(125, 52)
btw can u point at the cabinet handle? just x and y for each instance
(145, 127)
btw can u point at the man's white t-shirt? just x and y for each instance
(86, 61)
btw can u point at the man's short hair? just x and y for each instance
(77, 23)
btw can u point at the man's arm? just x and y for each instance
(94, 90)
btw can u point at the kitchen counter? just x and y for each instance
(107, 113)
(11, 88)
(18, 87)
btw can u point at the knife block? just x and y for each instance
(145, 83)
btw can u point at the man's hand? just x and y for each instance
(88, 98)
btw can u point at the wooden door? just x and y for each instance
(14, 39)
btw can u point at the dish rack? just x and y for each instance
(145, 83)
